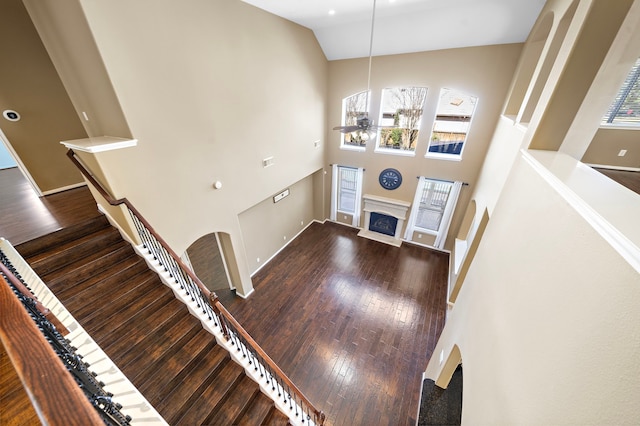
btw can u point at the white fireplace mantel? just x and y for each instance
(387, 206)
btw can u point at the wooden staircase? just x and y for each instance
(148, 333)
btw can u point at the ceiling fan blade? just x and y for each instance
(346, 129)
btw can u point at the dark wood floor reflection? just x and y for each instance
(24, 215)
(628, 179)
(353, 322)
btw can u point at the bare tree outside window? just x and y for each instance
(354, 106)
(402, 108)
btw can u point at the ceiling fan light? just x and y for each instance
(365, 136)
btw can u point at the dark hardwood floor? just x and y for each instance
(630, 180)
(353, 322)
(24, 215)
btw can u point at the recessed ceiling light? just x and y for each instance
(332, 12)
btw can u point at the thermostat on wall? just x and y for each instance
(11, 115)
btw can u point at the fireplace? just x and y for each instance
(384, 219)
(383, 223)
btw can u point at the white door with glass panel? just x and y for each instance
(346, 192)
(432, 209)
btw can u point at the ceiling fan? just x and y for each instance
(365, 128)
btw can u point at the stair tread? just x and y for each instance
(37, 245)
(258, 412)
(90, 270)
(236, 403)
(276, 418)
(159, 348)
(211, 394)
(52, 260)
(143, 323)
(108, 316)
(151, 378)
(186, 383)
(159, 330)
(103, 288)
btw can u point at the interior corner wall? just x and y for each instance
(540, 329)
(30, 85)
(268, 226)
(69, 42)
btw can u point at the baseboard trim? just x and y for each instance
(280, 249)
(64, 188)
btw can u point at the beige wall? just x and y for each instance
(485, 72)
(606, 145)
(533, 348)
(30, 85)
(546, 319)
(597, 33)
(64, 31)
(268, 226)
(209, 89)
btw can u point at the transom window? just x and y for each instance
(400, 118)
(625, 108)
(354, 106)
(452, 123)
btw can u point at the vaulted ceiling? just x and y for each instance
(343, 27)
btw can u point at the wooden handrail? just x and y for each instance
(39, 306)
(55, 395)
(319, 414)
(210, 296)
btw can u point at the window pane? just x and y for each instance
(432, 203)
(402, 108)
(354, 106)
(625, 108)
(453, 119)
(347, 181)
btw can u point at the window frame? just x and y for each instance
(451, 94)
(336, 179)
(417, 127)
(345, 119)
(428, 188)
(445, 218)
(631, 85)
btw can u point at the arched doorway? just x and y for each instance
(441, 401)
(207, 259)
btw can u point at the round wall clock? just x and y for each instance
(390, 179)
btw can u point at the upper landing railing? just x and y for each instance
(300, 407)
(62, 390)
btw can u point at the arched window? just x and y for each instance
(354, 106)
(452, 123)
(400, 118)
